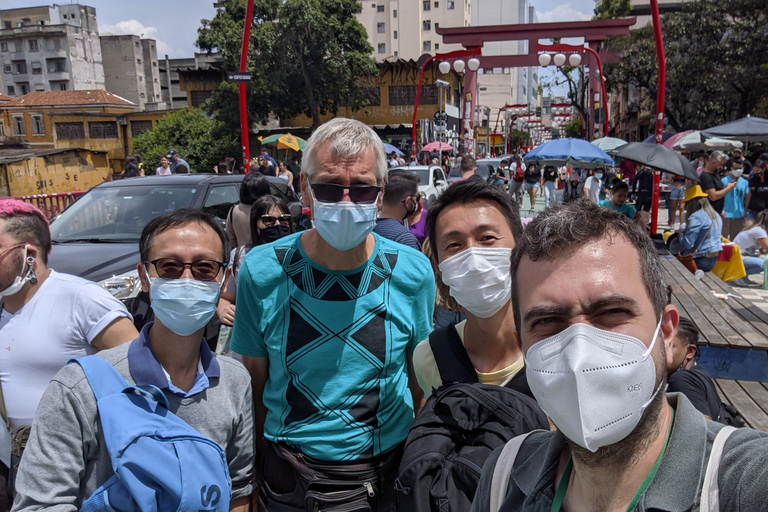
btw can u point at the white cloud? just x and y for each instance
(564, 12)
(135, 27)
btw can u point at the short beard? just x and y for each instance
(625, 453)
(17, 261)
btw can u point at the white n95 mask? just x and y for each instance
(594, 384)
(479, 279)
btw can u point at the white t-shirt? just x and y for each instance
(748, 238)
(59, 323)
(593, 185)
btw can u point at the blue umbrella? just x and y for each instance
(572, 152)
(651, 139)
(389, 148)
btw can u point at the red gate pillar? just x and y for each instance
(468, 109)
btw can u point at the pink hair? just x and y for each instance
(13, 207)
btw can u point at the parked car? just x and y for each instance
(97, 236)
(485, 167)
(432, 181)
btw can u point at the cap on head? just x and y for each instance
(171, 152)
(694, 192)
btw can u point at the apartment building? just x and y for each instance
(131, 70)
(188, 82)
(405, 29)
(50, 48)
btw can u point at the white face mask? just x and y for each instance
(599, 175)
(736, 173)
(479, 279)
(594, 384)
(22, 278)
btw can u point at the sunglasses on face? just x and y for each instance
(333, 193)
(202, 270)
(269, 220)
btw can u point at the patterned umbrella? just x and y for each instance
(284, 141)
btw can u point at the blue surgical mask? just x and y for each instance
(345, 224)
(183, 305)
(599, 175)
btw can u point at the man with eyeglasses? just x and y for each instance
(328, 320)
(46, 318)
(183, 264)
(401, 199)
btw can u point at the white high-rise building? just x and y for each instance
(405, 29)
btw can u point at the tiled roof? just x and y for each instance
(5, 97)
(64, 98)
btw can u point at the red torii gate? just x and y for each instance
(594, 33)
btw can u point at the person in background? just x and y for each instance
(532, 178)
(223, 167)
(176, 160)
(294, 168)
(165, 167)
(548, 184)
(753, 244)
(516, 180)
(574, 178)
(735, 200)
(747, 165)
(593, 185)
(238, 224)
(692, 380)
(270, 220)
(131, 171)
(412, 161)
(467, 167)
(643, 190)
(401, 200)
(711, 183)
(284, 174)
(757, 198)
(618, 200)
(393, 160)
(265, 166)
(417, 223)
(561, 186)
(703, 227)
(182, 169)
(676, 196)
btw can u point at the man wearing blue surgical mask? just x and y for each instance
(327, 321)
(595, 328)
(183, 264)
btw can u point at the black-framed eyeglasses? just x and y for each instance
(270, 220)
(202, 270)
(333, 192)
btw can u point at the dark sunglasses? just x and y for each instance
(269, 220)
(202, 270)
(332, 192)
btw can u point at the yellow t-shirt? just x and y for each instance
(428, 375)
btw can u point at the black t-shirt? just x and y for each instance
(700, 391)
(550, 175)
(710, 181)
(532, 176)
(758, 200)
(643, 184)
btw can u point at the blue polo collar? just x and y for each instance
(146, 369)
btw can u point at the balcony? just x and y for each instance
(55, 53)
(58, 76)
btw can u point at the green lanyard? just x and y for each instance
(562, 486)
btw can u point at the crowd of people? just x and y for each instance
(337, 347)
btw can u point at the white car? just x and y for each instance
(432, 181)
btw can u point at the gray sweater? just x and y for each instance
(66, 459)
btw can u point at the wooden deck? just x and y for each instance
(749, 398)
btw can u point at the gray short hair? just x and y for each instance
(564, 228)
(717, 155)
(347, 138)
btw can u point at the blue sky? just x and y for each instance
(174, 23)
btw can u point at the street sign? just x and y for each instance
(440, 117)
(238, 76)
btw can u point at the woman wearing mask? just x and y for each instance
(472, 229)
(702, 231)
(270, 220)
(755, 238)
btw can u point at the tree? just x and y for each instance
(573, 128)
(609, 9)
(555, 133)
(198, 139)
(716, 57)
(519, 138)
(306, 56)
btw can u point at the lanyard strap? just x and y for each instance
(562, 486)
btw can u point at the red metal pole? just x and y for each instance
(602, 88)
(416, 106)
(241, 85)
(659, 108)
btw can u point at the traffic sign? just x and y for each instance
(238, 76)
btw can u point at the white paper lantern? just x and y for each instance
(544, 59)
(473, 64)
(559, 59)
(458, 65)
(444, 67)
(574, 60)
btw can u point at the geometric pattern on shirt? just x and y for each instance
(332, 287)
(312, 343)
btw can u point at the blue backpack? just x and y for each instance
(160, 462)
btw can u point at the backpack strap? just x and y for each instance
(503, 468)
(710, 495)
(451, 356)
(105, 380)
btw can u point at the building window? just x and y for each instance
(138, 61)
(38, 127)
(7, 68)
(24, 89)
(199, 97)
(426, 5)
(427, 46)
(58, 86)
(19, 128)
(382, 48)
(380, 28)
(394, 13)
(426, 25)
(32, 45)
(37, 68)
(437, 46)
(57, 44)
(137, 44)
(450, 4)
(69, 131)
(437, 4)
(17, 45)
(3, 47)
(488, 71)
(11, 90)
(20, 67)
(394, 35)
(139, 127)
(141, 78)
(56, 65)
(102, 130)
(379, 8)
(395, 53)
(8, 24)
(406, 95)
(154, 64)
(2, 129)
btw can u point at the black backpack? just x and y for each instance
(460, 425)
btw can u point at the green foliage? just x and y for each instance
(716, 58)
(199, 140)
(516, 135)
(573, 129)
(306, 56)
(609, 9)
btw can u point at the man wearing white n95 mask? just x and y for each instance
(472, 230)
(594, 324)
